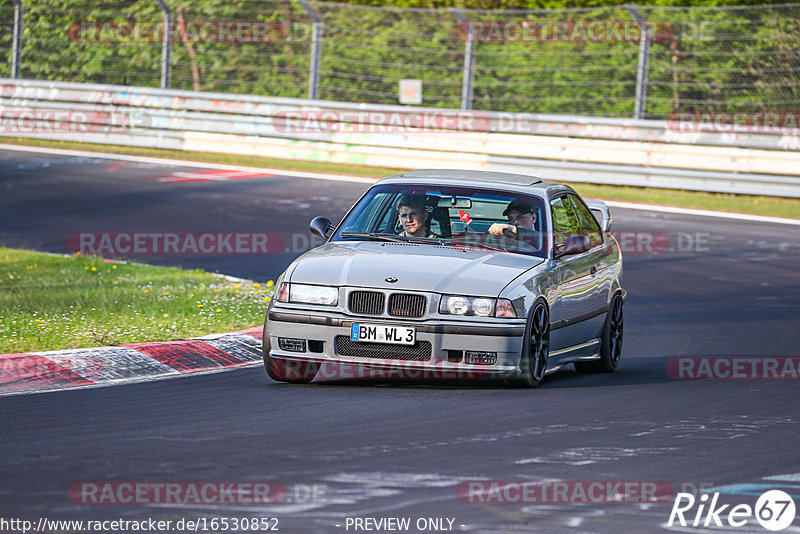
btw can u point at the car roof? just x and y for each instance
(519, 183)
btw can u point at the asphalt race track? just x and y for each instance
(719, 288)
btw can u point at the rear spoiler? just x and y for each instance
(601, 213)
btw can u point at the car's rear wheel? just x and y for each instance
(535, 348)
(286, 370)
(610, 342)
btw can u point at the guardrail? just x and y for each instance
(585, 149)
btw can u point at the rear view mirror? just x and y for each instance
(463, 203)
(321, 226)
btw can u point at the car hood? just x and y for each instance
(418, 267)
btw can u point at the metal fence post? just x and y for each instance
(166, 44)
(469, 62)
(644, 59)
(19, 9)
(316, 48)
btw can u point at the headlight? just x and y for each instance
(477, 306)
(455, 305)
(483, 307)
(306, 294)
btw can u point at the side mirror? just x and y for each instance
(321, 226)
(576, 244)
(600, 211)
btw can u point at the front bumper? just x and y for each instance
(446, 338)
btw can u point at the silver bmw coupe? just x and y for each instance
(452, 274)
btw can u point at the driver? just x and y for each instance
(520, 217)
(412, 216)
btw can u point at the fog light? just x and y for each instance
(455, 356)
(292, 345)
(480, 358)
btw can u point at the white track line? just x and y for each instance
(342, 178)
(186, 163)
(703, 213)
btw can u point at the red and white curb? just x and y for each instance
(106, 366)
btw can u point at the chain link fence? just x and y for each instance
(742, 58)
(557, 68)
(53, 47)
(368, 50)
(592, 61)
(7, 60)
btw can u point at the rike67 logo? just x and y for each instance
(774, 510)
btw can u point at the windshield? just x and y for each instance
(449, 216)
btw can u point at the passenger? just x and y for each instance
(413, 216)
(520, 217)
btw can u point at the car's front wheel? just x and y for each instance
(610, 342)
(535, 348)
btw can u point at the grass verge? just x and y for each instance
(50, 302)
(750, 204)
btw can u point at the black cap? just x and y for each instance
(516, 205)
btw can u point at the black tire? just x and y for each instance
(610, 342)
(286, 370)
(535, 347)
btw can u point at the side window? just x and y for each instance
(586, 221)
(564, 222)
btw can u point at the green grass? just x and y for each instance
(50, 302)
(755, 205)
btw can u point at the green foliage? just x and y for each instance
(542, 4)
(720, 58)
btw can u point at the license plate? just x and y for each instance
(381, 333)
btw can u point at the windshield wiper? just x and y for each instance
(394, 238)
(462, 243)
(426, 240)
(377, 237)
